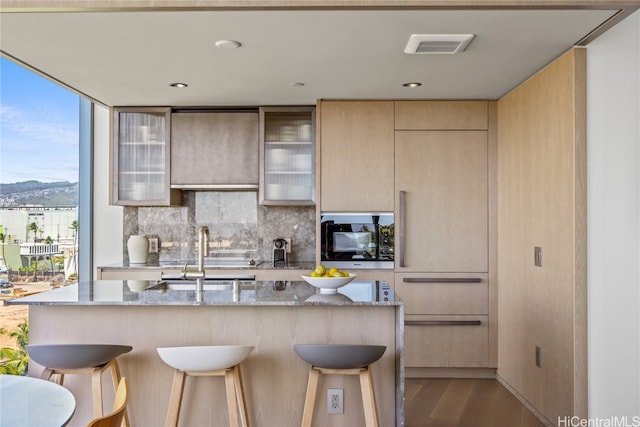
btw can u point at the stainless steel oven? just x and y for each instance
(357, 240)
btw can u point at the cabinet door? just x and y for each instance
(140, 147)
(287, 156)
(441, 195)
(215, 149)
(356, 156)
(446, 341)
(442, 115)
(451, 293)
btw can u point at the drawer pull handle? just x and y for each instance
(442, 280)
(443, 322)
(402, 195)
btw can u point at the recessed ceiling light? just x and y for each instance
(179, 85)
(228, 44)
(297, 84)
(412, 84)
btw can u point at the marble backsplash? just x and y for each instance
(238, 227)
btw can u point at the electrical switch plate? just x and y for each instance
(538, 357)
(335, 402)
(153, 245)
(288, 245)
(537, 256)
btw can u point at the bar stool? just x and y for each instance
(340, 359)
(93, 359)
(203, 361)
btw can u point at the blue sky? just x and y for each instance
(38, 127)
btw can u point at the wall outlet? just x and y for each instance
(335, 401)
(288, 245)
(153, 245)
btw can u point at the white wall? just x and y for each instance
(107, 220)
(614, 214)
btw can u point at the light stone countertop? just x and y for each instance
(178, 265)
(252, 293)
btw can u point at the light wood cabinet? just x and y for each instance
(446, 319)
(441, 115)
(441, 201)
(287, 156)
(445, 234)
(434, 293)
(446, 341)
(215, 149)
(140, 147)
(356, 156)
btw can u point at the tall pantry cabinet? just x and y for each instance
(432, 163)
(443, 202)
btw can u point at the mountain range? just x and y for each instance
(47, 194)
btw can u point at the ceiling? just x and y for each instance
(130, 57)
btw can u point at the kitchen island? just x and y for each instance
(110, 312)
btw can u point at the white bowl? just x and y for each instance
(204, 358)
(137, 285)
(328, 285)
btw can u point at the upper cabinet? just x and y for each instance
(287, 156)
(140, 147)
(214, 149)
(356, 156)
(441, 115)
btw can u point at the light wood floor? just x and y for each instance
(463, 403)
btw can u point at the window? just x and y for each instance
(41, 129)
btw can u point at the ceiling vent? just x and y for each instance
(443, 44)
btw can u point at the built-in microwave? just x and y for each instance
(357, 240)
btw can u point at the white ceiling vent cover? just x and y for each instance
(446, 44)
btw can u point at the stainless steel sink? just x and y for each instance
(190, 285)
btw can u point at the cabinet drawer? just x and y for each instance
(446, 341)
(441, 115)
(431, 293)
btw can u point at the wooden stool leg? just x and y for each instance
(368, 398)
(46, 374)
(175, 399)
(230, 384)
(310, 399)
(242, 404)
(115, 376)
(96, 391)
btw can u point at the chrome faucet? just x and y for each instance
(203, 251)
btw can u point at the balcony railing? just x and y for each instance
(39, 249)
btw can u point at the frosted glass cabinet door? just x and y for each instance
(140, 156)
(287, 156)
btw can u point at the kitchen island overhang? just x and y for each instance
(272, 320)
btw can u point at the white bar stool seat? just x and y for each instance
(202, 361)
